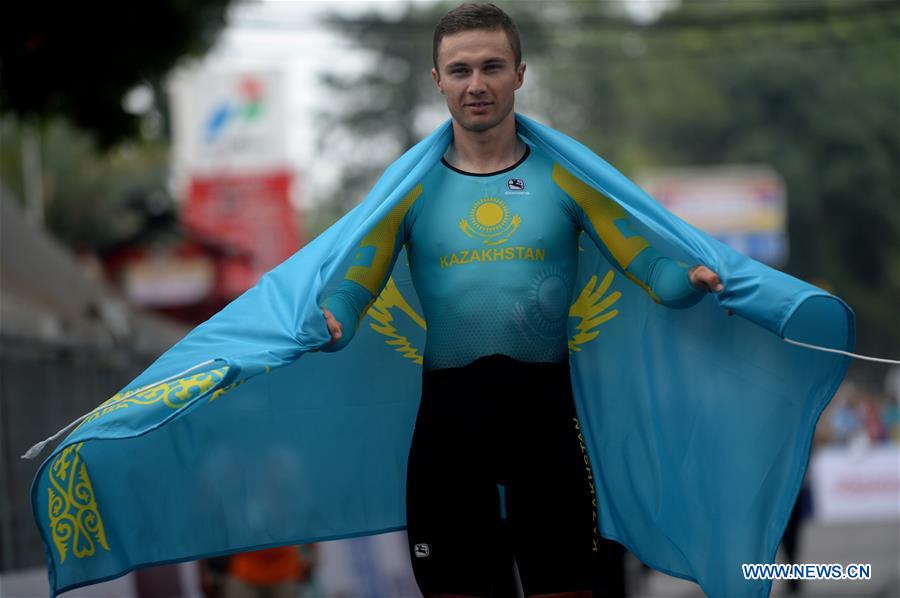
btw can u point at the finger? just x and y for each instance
(712, 280)
(334, 327)
(695, 276)
(708, 284)
(706, 279)
(717, 284)
(332, 322)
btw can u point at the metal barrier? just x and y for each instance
(42, 388)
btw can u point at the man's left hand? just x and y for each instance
(704, 278)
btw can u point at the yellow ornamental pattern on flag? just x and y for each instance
(220, 391)
(174, 394)
(75, 521)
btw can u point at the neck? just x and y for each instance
(486, 151)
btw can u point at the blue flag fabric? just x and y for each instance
(698, 425)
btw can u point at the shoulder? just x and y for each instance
(560, 177)
(557, 181)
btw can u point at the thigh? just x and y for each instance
(452, 504)
(551, 497)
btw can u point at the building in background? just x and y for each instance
(233, 187)
(232, 173)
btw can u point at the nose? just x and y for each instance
(476, 83)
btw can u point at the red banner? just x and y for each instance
(248, 218)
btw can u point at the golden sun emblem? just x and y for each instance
(591, 309)
(489, 218)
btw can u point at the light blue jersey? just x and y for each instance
(493, 259)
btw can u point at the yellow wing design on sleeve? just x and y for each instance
(592, 309)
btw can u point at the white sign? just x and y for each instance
(169, 281)
(230, 122)
(859, 484)
(742, 206)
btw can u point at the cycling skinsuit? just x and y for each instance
(493, 259)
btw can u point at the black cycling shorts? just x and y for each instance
(499, 422)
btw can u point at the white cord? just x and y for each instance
(818, 348)
(37, 448)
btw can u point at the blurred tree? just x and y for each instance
(810, 88)
(78, 59)
(65, 64)
(93, 201)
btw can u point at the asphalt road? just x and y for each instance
(875, 543)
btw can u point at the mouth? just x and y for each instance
(478, 104)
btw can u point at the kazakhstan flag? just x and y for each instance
(698, 425)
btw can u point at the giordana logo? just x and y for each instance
(421, 550)
(516, 184)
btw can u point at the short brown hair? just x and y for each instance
(476, 15)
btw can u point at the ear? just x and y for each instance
(437, 79)
(520, 75)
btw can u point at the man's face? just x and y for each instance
(478, 75)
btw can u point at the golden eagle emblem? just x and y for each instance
(591, 308)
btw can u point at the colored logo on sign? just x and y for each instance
(247, 107)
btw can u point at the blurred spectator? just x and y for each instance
(281, 572)
(872, 409)
(790, 541)
(212, 576)
(890, 415)
(611, 583)
(845, 417)
(857, 418)
(890, 418)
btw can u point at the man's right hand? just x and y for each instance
(334, 327)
